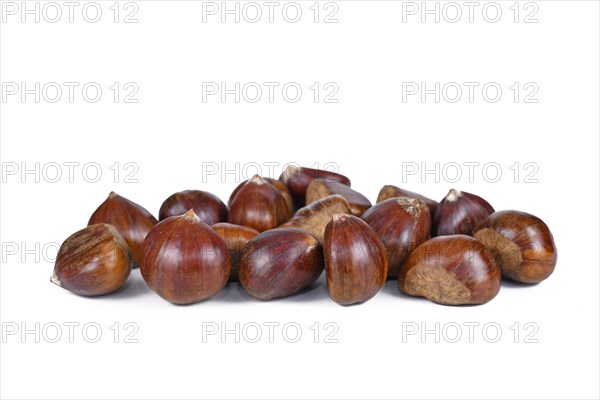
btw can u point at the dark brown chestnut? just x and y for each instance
(131, 220)
(389, 191)
(459, 212)
(314, 217)
(208, 207)
(320, 188)
(235, 237)
(451, 270)
(280, 262)
(259, 205)
(521, 243)
(298, 178)
(283, 189)
(401, 223)
(355, 260)
(184, 260)
(93, 261)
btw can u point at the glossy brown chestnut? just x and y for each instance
(320, 188)
(401, 223)
(235, 237)
(521, 243)
(314, 217)
(283, 189)
(93, 261)
(459, 212)
(297, 180)
(451, 270)
(259, 205)
(280, 262)
(389, 191)
(355, 260)
(208, 207)
(184, 260)
(131, 220)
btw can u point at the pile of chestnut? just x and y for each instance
(277, 236)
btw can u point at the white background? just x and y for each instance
(371, 135)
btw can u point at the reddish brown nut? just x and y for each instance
(314, 217)
(355, 260)
(183, 260)
(320, 188)
(459, 212)
(521, 243)
(131, 220)
(283, 189)
(280, 262)
(451, 270)
(297, 180)
(235, 237)
(401, 224)
(93, 261)
(208, 207)
(389, 191)
(259, 205)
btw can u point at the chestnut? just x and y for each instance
(259, 205)
(459, 212)
(280, 262)
(184, 260)
(401, 223)
(93, 261)
(235, 237)
(355, 260)
(131, 220)
(521, 243)
(314, 217)
(320, 188)
(283, 189)
(298, 178)
(451, 270)
(208, 207)
(389, 191)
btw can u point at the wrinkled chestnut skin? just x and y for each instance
(297, 180)
(355, 260)
(280, 262)
(320, 188)
(184, 260)
(93, 261)
(451, 270)
(259, 205)
(208, 207)
(521, 243)
(389, 191)
(131, 220)
(458, 213)
(283, 189)
(401, 223)
(314, 217)
(235, 237)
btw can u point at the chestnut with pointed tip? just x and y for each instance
(184, 260)
(283, 189)
(320, 188)
(298, 178)
(389, 191)
(355, 260)
(521, 243)
(93, 261)
(314, 217)
(401, 223)
(451, 270)
(208, 207)
(280, 262)
(235, 237)
(131, 220)
(459, 212)
(259, 205)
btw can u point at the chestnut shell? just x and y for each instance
(297, 180)
(235, 237)
(320, 188)
(208, 207)
(458, 213)
(389, 191)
